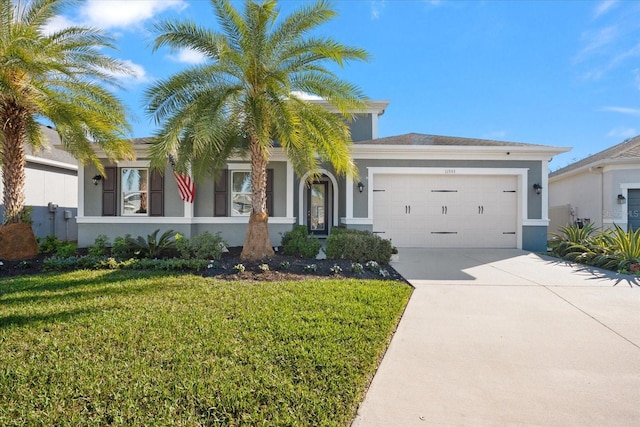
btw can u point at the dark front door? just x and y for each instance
(317, 208)
(633, 204)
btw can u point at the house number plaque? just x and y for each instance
(449, 171)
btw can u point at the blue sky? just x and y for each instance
(564, 73)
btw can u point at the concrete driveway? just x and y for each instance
(506, 337)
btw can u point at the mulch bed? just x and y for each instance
(224, 268)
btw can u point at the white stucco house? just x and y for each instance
(417, 190)
(51, 189)
(603, 189)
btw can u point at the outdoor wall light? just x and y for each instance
(538, 188)
(96, 179)
(360, 187)
(621, 199)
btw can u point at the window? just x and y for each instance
(135, 184)
(240, 193)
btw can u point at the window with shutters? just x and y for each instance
(240, 193)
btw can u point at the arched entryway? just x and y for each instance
(318, 203)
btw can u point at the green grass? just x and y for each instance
(130, 348)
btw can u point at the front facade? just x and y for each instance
(602, 189)
(417, 190)
(51, 190)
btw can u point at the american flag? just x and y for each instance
(186, 187)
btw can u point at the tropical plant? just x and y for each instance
(572, 239)
(153, 246)
(56, 76)
(246, 97)
(623, 249)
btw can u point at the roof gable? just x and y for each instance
(627, 149)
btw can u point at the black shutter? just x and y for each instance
(270, 192)
(109, 192)
(156, 194)
(220, 194)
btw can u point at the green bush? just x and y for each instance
(153, 246)
(50, 244)
(614, 249)
(298, 242)
(358, 246)
(67, 249)
(99, 248)
(202, 246)
(122, 249)
(90, 262)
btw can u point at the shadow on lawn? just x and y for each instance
(62, 316)
(58, 288)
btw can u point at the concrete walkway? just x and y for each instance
(506, 337)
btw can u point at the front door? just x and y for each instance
(317, 212)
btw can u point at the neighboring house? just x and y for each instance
(51, 189)
(603, 189)
(417, 190)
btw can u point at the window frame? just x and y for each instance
(233, 193)
(124, 193)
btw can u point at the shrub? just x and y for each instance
(67, 249)
(285, 265)
(336, 269)
(121, 248)
(572, 239)
(358, 246)
(50, 244)
(100, 245)
(153, 246)
(203, 246)
(357, 268)
(614, 249)
(298, 242)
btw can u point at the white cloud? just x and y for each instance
(603, 7)
(188, 56)
(57, 23)
(124, 14)
(596, 41)
(622, 132)
(376, 8)
(138, 73)
(623, 110)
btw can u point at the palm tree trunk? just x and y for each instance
(13, 169)
(257, 243)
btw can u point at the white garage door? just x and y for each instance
(446, 211)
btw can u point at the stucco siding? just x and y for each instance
(362, 127)
(583, 192)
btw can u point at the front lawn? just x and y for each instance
(134, 348)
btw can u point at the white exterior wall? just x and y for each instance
(42, 187)
(594, 194)
(583, 192)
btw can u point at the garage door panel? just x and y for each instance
(447, 211)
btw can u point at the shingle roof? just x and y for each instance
(51, 152)
(627, 149)
(422, 139)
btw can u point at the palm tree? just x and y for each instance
(56, 77)
(242, 99)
